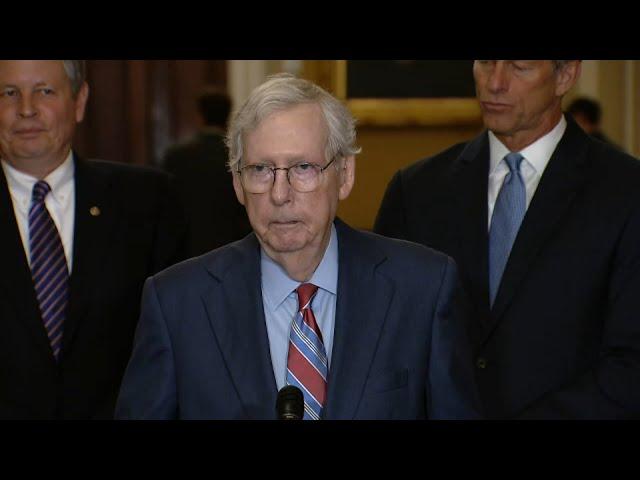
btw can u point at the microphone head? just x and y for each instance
(290, 403)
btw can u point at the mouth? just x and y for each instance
(285, 224)
(28, 132)
(495, 107)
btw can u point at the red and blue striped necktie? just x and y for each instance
(307, 366)
(48, 267)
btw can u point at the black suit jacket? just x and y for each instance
(139, 231)
(204, 184)
(563, 337)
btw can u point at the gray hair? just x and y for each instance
(559, 64)
(283, 91)
(76, 70)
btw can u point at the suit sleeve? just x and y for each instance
(171, 237)
(452, 392)
(148, 390)
(391, 218)
(612, 388)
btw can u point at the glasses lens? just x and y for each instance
(304, 177)
(257, 178)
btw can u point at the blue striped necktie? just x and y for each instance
(48, 267)
(307, 366)
(508, 213)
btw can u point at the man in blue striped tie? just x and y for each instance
(544, 223)
(366, 327)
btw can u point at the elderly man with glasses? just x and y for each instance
(365, 327)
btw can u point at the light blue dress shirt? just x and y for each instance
(280, 303)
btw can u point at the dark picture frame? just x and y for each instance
(407, 93)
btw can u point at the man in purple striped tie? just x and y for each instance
(366, 327)
(77, 240)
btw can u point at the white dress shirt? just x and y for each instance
(536, 157)
(60, 202)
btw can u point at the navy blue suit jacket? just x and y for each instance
(400, 349)
(562, 340)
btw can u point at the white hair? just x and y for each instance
(283, 91)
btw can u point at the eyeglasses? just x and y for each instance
(303, 177)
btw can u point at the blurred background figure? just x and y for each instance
(588, 114)
(204, 182)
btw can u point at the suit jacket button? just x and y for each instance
(481, 363)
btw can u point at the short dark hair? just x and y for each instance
(587, 107)
(214, 105)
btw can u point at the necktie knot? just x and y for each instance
(513, 161)
(40, 191)
(306, 291)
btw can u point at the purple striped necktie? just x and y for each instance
(48, 267)
(307, 366)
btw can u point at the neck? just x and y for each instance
(301, 265)
(520, 140)
(38, 168)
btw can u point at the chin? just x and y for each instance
(31, 151)
(497, 126)
(286, 245)
(286, 238)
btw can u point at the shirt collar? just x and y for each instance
(537, 154)
(21, 183)
(277, 285)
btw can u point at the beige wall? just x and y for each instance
(612, 98)
(384, 151)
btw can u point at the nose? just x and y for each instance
(26, 108)
(281, 190)
(497, 80)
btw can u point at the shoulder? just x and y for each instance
(612, 161)
(433, 164)
(197, 273)
(405, 261)
(125, 171)
(185, 148)
(126, 177)
(406, 256)
(613, 177)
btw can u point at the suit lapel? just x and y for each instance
(562, 180)
(363, 300)
(16, 281)
(469, 189)
(92, 236)
(235, 310)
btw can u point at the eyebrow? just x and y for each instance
(291, 161)
(41, 83)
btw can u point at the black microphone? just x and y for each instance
(290, 403)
